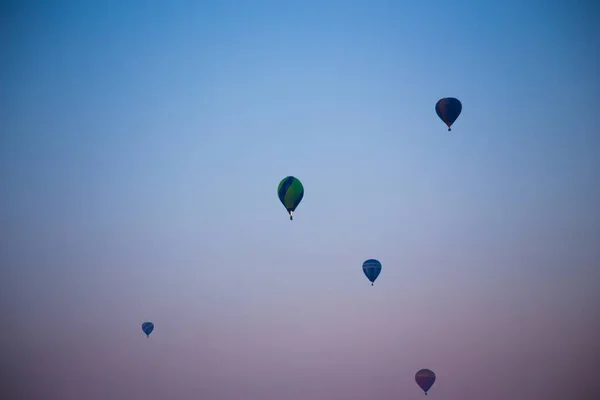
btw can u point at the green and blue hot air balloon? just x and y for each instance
(290, 192)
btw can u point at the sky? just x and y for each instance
(141, 145)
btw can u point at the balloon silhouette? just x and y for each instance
(448, 109)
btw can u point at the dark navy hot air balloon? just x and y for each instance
(372, 268)
(290, 193)
(147, 327)
(425, 378)
(448, 109)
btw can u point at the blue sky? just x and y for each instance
(140, 152)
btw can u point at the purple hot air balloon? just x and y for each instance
(425, 378)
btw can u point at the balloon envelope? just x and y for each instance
(425, 379)
(147, 327)
(290, 192)
(448, 109)
(372, 269)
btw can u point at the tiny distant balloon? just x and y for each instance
(425, 378)
(372, 269)
(290, 192)
(147, 328)
(448, 109)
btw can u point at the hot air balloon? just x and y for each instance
(290, 192)
(425, 378)
(147, 328)
(372, 268)
(448, 109)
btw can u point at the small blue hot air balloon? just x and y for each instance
(371, 268)
(147, 328)
(448, 109)
(425, 378)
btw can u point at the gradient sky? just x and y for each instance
(141, 147)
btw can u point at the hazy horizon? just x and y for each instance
(141, 148)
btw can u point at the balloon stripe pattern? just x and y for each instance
(425, 378)
(372, 269)
(448, 109)
(147, 328)
(290, 193)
